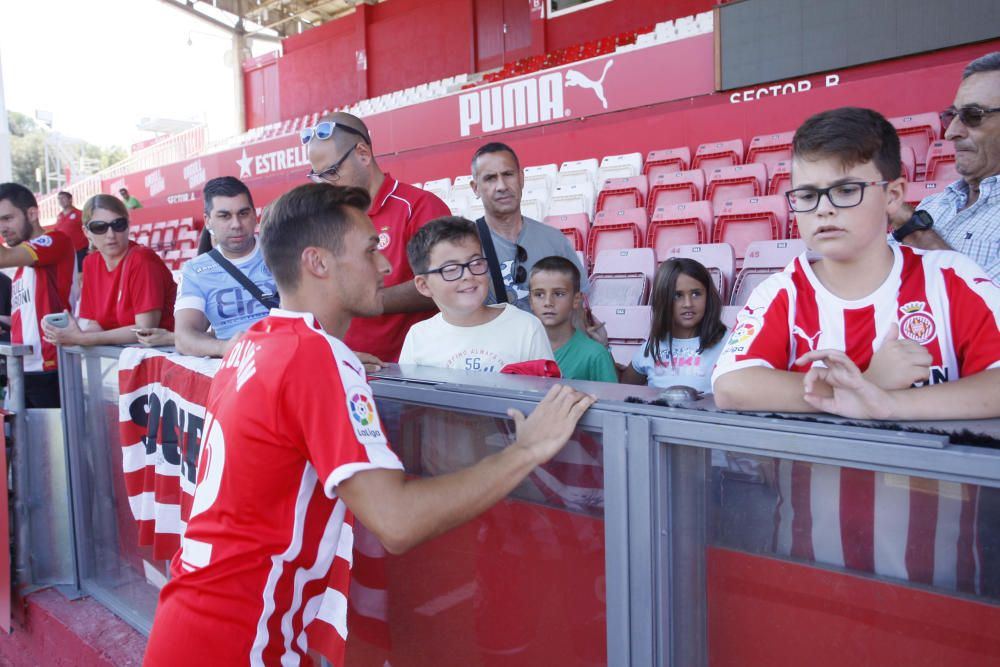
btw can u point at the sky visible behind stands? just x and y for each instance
(101, 65)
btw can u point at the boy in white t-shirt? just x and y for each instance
(866, 331)
(448, 262)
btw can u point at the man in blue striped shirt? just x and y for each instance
(966, 215)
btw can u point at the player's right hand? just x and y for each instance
(551, 424)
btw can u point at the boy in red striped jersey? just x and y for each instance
(866, 330)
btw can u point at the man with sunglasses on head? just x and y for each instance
(518, 241)
(340, 151)
(229, 288)
(966, 216)
(46, 264)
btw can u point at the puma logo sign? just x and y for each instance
(812, 340)
(574, 78)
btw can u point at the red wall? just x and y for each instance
(616, 17)
(319, 68)
(414, 41)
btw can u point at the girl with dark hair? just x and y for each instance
(686, 333)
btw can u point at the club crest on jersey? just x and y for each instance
(384, 239)
(43, 241)
(364, 418)
(916, 323)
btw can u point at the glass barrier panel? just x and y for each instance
(522, 584)
(113, 568)
(809, 563)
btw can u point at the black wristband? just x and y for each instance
(919, 221)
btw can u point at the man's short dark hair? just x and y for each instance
(450, 229)
(853, 136)
(988, 63)
(224, 186)
(557, 264)
(494, 147)
(63, 192)
(310, 216)
(19, 196)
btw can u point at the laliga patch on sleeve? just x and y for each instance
(364, 416)
(744, 333)
(43, 241)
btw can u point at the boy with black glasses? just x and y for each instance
(467, 334)
(868, 330)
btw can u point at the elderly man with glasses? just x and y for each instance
(966, 216)
(340, 151)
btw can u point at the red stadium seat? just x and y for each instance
(769, 149)
(619, 193)
(909, 160)
(168, 241)
(679, 224)
(793, 226)
(764, 258)
(614, 230)
(627, 327)
(918, 132)
(741, 221)
(173, 259)
(941, 162)
(142, 239)
(575, 226)
(915, 192)
(622, 277)
(678, 187)
(718, 154)
(146, 228)
(155, 238)
(737, 182)
(187, 253)
(666, 161)
(718, 258)
(781, 178)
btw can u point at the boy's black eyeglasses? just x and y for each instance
(842, 195)
(452, 272)
(100, 227)
(971, 116)
(330, 174)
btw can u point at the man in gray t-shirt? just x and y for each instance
(498, 180)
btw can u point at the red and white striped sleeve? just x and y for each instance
(974, 305)
(762, 336)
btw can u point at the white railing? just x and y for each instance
(181, 146)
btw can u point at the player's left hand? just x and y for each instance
(852, 394)
(370, 361)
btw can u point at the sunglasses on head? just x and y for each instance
(971, 116)
(324, 130)
(100, 227)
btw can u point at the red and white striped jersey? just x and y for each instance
(38, 290)
(266, 555)
(940, 299)
(908, 528)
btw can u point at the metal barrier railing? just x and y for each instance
(701, 521)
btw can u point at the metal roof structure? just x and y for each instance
(268, 19)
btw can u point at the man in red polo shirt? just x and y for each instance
(41, 286)
(340, 150)
(70, 222)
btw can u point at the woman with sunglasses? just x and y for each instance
(126, 287)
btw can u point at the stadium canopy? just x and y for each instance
(268, 19)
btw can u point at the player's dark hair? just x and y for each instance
(19, 196)
(852, 136)
(710, 329)
(310, 216)
(105, 202)
(494, 147)
(63, 192)
(557, 264)
(450, 229)
(224, 186)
